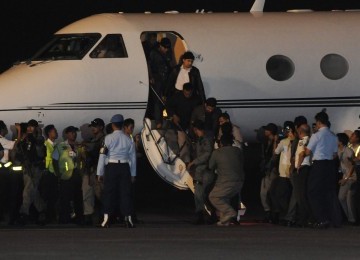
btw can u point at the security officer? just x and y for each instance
(203, 178)
(120, 171)
(69, 162)
(322, 178)
(31, 153)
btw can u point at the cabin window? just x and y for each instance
(280, 67)
(334, 66)
(68, 47)
(112, 46)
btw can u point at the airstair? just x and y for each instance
(164, 161)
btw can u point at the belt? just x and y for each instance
(118, 161)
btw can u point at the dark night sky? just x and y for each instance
(26, 25)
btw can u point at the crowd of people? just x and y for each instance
(310, 175)
(45, 181)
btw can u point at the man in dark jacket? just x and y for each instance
(160, 69)
(179, 107)
(209, 114)
(185, 72)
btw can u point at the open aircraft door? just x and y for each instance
(163, 160)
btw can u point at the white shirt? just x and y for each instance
(284, 149)
(182, 78)
(301, 148)
(7, 145)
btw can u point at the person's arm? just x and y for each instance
(199, 84)
(237, 134)
(203, 158)
(132, 157)
(279, 148)
(212, 161)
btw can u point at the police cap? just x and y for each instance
(118, 118)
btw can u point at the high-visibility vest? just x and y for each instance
(69, 160)
(66, 161)
(48, 160)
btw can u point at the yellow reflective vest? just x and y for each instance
(70, 159)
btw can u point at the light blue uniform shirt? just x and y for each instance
(120, 148)
(323, 144)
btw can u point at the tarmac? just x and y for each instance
(174, 237)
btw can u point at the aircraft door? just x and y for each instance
(150, 42)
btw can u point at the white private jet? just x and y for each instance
(261, 67)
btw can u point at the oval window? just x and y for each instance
(334, 66)
(280, 67)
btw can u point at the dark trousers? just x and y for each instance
(4, 190)
(280, 193)
(357, 195)
(70, 190)
(49, 190)
(117, 188)
(16, 184)
(300, 186)
(322, 189)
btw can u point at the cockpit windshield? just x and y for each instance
(67, 47)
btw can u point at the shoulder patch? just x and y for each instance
(104, 150)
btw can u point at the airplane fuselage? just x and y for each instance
(261, 68)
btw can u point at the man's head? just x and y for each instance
(117, 122)
(299, 120)
(303, 130)
(289, 129)
(51, 132)
(97, 126)
(188, 90)
(343, 139)
(210, 105)
(188, 59)
(270, 129)
(31, 126)
(3, 128)
(355, 137)
(224, 118)
(129, 125)
(199, 128)
(71, 133)
(322, 119)
(165, 45)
